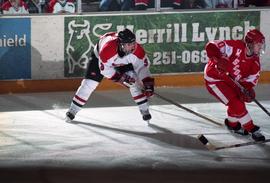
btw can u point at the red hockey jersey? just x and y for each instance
(244, 69)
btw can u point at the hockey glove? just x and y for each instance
(124, 68)
(123, 78)
(212, 50)
(148, 84)
(247, 95)
(222, 64)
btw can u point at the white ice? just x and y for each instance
(117, 137)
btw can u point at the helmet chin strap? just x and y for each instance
(122, 49)
(121, 53)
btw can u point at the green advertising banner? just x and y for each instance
(174, 42)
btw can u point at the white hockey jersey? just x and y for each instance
(20, 9)
(64, 7)
(109, 58)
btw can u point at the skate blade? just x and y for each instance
(240, 133)
(67, 120)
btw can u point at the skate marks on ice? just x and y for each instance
(184, 117)
(168, 124)
(26, 102)
(51, 121)
(160, 137)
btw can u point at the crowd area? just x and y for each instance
(71, 6)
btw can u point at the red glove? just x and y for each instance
(123, 78)
(148, 84)
(212, 50)
(222, 64)
(247, 95)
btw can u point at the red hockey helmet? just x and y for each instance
(255, 41)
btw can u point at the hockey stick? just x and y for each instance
(211, 147)
(245, 91)
(187, 109)
(180, 106)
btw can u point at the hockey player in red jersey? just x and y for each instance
(238, 60)
(118, 57)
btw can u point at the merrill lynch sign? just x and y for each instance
(173, 42)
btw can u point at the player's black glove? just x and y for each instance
(123, 78)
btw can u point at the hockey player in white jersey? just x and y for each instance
(118, 57)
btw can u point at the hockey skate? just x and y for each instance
(236, 129)
(146, 115)
(256, 134)
(70, 115)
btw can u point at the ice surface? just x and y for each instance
(33, 134)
